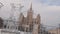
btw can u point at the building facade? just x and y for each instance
(28, 23)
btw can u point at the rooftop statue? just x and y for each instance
(1, 5)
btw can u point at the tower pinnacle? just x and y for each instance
(31, 7)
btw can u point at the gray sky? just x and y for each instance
(49, 10)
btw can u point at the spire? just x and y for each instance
(31, 7)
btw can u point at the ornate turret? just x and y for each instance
(21, 18)
(31, 7)
(38, 19)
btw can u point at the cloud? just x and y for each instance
(52, 8)
(50, 2)
(49, 13)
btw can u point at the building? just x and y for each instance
(54, 31)
(29, 24)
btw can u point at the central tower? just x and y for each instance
(30, 15)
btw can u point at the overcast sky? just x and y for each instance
(49, 10)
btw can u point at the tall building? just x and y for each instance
(29, 24)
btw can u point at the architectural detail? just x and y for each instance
(1, 22)
(1, 5)
(35, 29)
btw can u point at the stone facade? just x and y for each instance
(27, 23)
